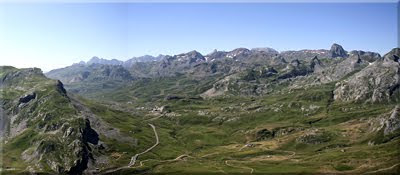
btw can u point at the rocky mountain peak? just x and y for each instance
(365, 56)
(239, 52)
(265, 49)
(80, 63)
(215, 55)
(192, 57)
(97, 60)
(194, 53)
(94, 60)
(355, 59)
(394, 55)
(337, 51)
(378, 82)
(142, 59)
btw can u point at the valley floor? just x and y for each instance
(333, 142)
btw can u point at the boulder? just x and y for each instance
(264, 134)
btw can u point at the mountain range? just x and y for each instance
(241, 111)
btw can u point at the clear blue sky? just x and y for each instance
(56, 35)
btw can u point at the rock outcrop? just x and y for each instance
(303, 55)
(264, 134)
(27, 98)
(40, 115)
(97, 60)
(215, 55)
(238, 54)
(315, 136)
(295, 63)
(385, 127)
(316, 64)
(190, 57)
(337, 51)
(343, 68)
(366, 56)
(378, 82)
(265, 49)
(392, 124)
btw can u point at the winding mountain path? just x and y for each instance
(383, 169)
(242, 167)
(181, 157)
(133, 159)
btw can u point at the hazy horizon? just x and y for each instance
(51, 36)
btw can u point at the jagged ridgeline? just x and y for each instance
(240, 111)
(360, 75)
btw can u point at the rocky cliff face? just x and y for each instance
(378, 82)
(342, 68)
(38, 113)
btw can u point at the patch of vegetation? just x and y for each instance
(343, 167)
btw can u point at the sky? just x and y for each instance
(55, 35)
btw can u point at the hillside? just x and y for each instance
(46, 130)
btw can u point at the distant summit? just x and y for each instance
(265, 49)
(127, 63)
(337, 51)
(97, 60)
(142, 59)
(192, 57)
